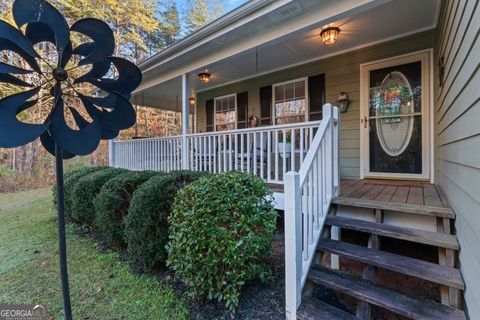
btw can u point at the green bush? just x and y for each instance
(70, 180)
(85, 190)
(146, 225)
(111, 204)
(221, 229)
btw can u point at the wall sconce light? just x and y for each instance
(191, 101)
(343, 101)
(329, 35)
(204, 77)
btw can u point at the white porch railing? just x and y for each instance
(308, 196)
(269, 152)
(159, 154)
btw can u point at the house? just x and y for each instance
(367, 109)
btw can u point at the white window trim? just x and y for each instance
(215, 109)
(307, 97)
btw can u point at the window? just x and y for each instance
(290, 101)
(225, 113)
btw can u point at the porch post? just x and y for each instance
(185, 118)
(293, 244)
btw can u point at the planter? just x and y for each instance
(288, 149)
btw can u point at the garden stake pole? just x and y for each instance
(62, 242)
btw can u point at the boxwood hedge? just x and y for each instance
(112, 202)
(85, 190)
(71, 179)
(221, 229)
(146, 225)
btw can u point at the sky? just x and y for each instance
(232, 4)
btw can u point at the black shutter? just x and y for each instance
(209, 108)
(316, 93)
(242, 110)
(266, 106)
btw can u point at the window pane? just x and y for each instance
(225, 116)
(290, 102)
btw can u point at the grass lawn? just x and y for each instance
(101, 286)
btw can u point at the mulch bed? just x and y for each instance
(258, 300)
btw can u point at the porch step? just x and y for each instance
(383, 297)
(433, 272)
(437, 239)
(313, 309)
(401, 207)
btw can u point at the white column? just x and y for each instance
(185, 118)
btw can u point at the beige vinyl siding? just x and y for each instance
(457, 130)
(342, 73)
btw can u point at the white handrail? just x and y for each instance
(308, 195)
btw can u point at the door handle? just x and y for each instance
(364, 121)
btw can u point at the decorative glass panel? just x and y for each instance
(396, 119)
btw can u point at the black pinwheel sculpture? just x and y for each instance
(100, 113)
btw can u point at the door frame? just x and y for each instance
(426, 58)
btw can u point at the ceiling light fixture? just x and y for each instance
(204, 77)
(330, 35)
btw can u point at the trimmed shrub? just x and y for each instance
(70, 180)
(146, 225)
(86, 189)
(111, 204)
(221, 228)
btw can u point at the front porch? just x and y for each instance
(267, 108)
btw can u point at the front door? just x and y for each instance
(395, 117)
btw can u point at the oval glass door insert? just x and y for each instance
(394, 113)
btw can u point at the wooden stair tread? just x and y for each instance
(401, 207)
(433, 272)
(419, 236)
(383, 297)
(315, 309)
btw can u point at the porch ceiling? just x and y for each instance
(376, 22)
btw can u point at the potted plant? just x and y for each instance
(285, 145)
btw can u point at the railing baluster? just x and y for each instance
(230, 153)
(305, 220)
(262, 147)
(310, 207)
(225, 153)
(235, 151)
(276, 155)
(269, 155)
(254, 157)
(248, 152)
(302, 134)
(292, 149)
(242, 152)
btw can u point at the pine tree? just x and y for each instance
(170, 26)
(201, 12)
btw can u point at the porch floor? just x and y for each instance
(394, 191)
